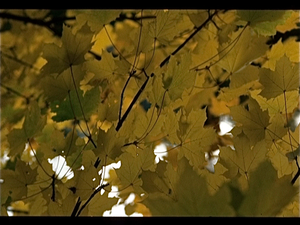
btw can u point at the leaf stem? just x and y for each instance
(81, 108)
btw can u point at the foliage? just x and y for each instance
(111, 85)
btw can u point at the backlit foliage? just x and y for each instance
(98, 90)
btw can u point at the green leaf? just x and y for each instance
(267, 195)
(285, 78)
(264, 22)
(72, 51)
(70, 107)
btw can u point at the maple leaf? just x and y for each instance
(108, 108)
(108, 146)
(285, 78)
(101, 203)
(97, 18)
(129, 172)
(85, 181)
(103, 69)
(57, 88)
(178, 77)
(32, 126)
(168, 24)
(254, 120)
(191, 196)
(72, 51)
(70, 107)
(195, 139)
(264, 22)
(267, 194)
(244, 48)
(15, 183)
(244, 157)
(65, 208)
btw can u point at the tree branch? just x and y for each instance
(189, 38)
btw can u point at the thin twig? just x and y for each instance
(189, 38)
(90, 198)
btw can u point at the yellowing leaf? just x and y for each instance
(97, 18)
(32, 126)
(70, 107)
(244, 158)
(167, 24)
(178, 77)
(278, 104)
(108, 146)
(101, 203)
(292, 49)
(103, 69)
(284, 78)
(264, 22)
(57, 88)
(15, 183)
(191, 196)
(72, 51)
(267, 194)
(276, 52)
(244, 48)
(254, 120)
(129, 172)
(195, 139)
(290, 23)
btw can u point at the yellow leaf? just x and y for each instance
(254, 120)
(290, 23)
(276, 52)
(244, 158)
(245, 47)
(195, 139)
(285, 78)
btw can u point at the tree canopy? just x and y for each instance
(88, 95)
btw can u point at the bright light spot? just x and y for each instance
(59, 166)
(226, 124)
(297, 118)
(130, 199)
(4, 158)
(212, 161)
(160, 151)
